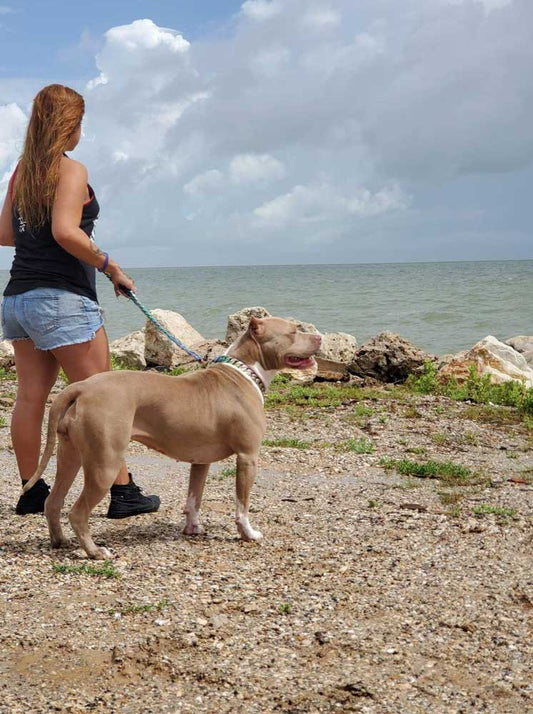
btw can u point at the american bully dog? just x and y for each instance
(200, 417)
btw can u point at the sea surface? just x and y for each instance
(440, 307)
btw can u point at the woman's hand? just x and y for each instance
(119, 279)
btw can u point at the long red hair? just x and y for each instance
(56, 114)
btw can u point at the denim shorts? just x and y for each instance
(50, 318)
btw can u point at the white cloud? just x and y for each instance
(322, 17)
(204, 183)
(312, 204)
(247, 168)
(261, 9)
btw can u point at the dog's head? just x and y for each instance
(281, 344)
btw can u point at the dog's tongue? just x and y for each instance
(299, 362)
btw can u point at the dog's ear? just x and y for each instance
(256, 327)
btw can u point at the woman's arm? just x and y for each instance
(6, 226)
(66, 217)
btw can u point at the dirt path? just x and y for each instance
(371, 592)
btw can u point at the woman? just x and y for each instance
(50, 309)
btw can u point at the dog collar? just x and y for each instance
(244, 369)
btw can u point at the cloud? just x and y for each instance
(261, 9)
(306, 121)
(311, 204)
(247, 168)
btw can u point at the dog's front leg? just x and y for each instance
(197, 477)
(246, 471)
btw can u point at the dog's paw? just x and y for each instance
(60, 542)
(102, 554)
(249, 534)
(192, 530)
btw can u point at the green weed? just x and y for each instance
(107, 570)
(287, 443)
(487, 509)
(358, 446)
(445, 470)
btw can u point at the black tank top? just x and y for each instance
(40, 262)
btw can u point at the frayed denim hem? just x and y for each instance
(69, 344)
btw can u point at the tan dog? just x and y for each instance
(199, 418)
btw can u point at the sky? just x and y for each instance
(288, 131)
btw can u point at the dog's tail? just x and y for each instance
(57, 411)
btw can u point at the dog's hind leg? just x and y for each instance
(68, 465)
(96, 486)
(197, 477)
(246, 472)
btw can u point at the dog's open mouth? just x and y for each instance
(298, 362)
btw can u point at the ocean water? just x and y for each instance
(441, 307)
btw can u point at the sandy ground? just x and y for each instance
(370, 592)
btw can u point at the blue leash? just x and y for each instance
(131, 296)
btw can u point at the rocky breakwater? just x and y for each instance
(387, 357)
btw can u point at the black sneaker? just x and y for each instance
(128, 500)
(33, 500)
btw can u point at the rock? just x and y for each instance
(238, 322)
(7, 354)
(489, 356)
(159, 350)
(389, 358)
(210, 349)
(130, 350)
(330, 370)
(302, 376)
(338, 346)
(524, 345)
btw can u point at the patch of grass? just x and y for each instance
(3, 421)
(287, 443)
(7, 376)
(448, 498)
(372, 503)
(488, 414)
(227, 472)
(107, 570)
(358, 446)
(117, 363)
(421, 450)
(361, 410)
(470, 438)
(412, 413)
(134, 609)
(177, 371)
(445, 470)
(455, 511)
(439, 438)
(487, 509)
(475, 388)
(285, 608)
(283, 393)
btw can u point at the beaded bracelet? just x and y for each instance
(104, 266)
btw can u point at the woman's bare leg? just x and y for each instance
(82, 361)
(36, 375)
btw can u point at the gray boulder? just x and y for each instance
(238, 322)
(388, 357)
(7, 354)
(524, 345)
(338, 347)
(129, 350)
(159, 350)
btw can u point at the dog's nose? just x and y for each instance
(318, 339)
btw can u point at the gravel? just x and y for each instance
(371, 592)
